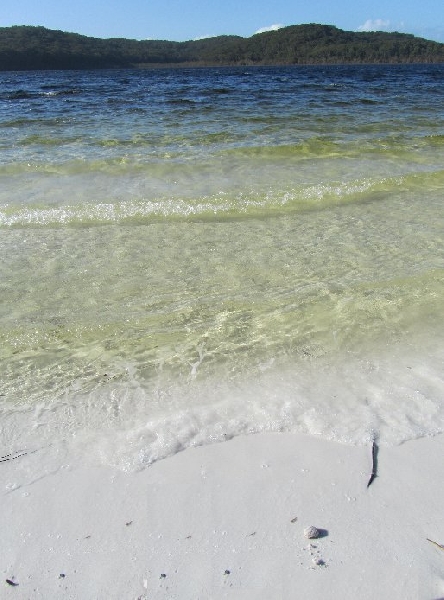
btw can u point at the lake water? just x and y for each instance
(189, 255)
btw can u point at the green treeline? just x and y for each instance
(25, 47)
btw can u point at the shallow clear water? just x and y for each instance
(187, 255)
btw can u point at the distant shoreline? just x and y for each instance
(37, 48)
(147, 66)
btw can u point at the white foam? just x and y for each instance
(127, 424)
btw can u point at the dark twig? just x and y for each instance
(374, 463)
(436, 544)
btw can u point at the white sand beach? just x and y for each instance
(218, 287)
(227, 521)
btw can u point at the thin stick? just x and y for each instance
(374, 463)
(436, 544)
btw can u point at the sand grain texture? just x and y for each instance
(227, 521)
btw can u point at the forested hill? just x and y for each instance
(25, 47)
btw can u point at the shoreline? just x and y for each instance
(228, 520)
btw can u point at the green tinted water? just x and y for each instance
(277, 270)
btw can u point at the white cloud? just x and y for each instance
(204, 37)
(429, 33)
(375, 25)
(270, 28)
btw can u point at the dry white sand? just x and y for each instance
(227, 521)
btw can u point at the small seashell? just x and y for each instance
(311, 532)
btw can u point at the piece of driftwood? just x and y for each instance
(374, 463)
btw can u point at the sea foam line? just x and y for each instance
(219, 204)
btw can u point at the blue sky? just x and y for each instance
(192, 19)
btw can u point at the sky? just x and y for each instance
(181, 20)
